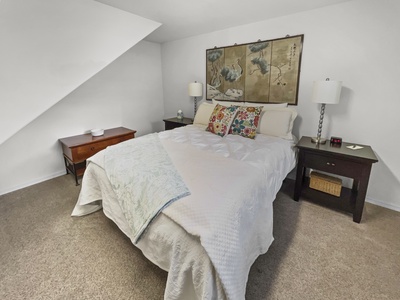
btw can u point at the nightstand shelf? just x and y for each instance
(346, 202)
(342, 161)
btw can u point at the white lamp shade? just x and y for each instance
(327, 92)
(195, 89)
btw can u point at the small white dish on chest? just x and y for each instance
(97, 132)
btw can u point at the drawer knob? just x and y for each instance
(92, 148)
(330, 164)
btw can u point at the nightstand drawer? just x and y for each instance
(83, 152)
(333, 165)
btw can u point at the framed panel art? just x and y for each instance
(264, 72)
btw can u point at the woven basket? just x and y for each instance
(325, 183)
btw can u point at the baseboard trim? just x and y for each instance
(383, 204)
(32, 182)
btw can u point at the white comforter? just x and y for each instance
(227, 220)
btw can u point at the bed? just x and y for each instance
(208, 238)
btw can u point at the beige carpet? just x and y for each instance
(318, 253)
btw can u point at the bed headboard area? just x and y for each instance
(246, 119)
(261, 72)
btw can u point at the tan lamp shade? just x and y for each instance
(327, 91)
(195, 89)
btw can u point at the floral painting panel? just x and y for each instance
(285, 62)
(264, 72)
(258, 58)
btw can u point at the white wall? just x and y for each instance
(355, 42)
(126, 93)
(50, 47)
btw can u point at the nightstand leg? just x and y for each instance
(75, 174)
(66, 165)
(299, 177)
(355, 185)
(361, 194)
(76, 180)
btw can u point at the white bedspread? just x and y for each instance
(225, 235)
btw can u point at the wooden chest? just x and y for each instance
(76, 149)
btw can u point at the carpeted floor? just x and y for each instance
(318, 253)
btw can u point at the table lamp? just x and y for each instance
(195, 90)
(325, 92)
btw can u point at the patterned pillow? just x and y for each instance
(246, 121)
(221, 119)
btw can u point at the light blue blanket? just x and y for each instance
(144, 179)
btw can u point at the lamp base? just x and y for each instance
(318, 140)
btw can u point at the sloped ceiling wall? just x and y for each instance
(50, 47)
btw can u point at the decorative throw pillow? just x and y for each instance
(221, 119)
(278, 122)
(246, 121)
(203, 113)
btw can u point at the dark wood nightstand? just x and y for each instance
(355, 164)
(76, 149)
(172, 123)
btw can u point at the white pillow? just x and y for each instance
(203, 113)
(277, 122)
(266, 105)
(227, 103)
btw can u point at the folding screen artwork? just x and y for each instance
(264, 71)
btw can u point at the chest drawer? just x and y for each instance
(332, 164)
(83, 152)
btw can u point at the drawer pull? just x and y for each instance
(330, 164)
(92, 148)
